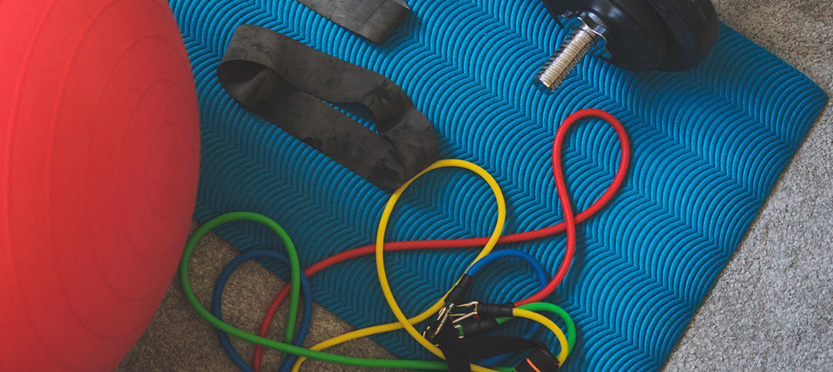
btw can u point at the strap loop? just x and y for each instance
(290, 84)
(372, 19)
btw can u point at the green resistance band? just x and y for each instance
(295, 270)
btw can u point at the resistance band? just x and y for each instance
(295, 275)
(372, 19)
(433, 244)
(540, 275)
(618, 179)
(217, 300)
(493, 239)
(293, 85)
(403, 320)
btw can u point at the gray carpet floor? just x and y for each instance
(771, 309)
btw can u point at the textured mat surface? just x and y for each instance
(708, 145)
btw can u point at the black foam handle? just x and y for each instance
(495, 310)
(479, 327)
(456, 294)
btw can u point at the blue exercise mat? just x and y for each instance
(708, 145)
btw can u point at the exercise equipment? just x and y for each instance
(293, 86)
(295, 272)
(709, 144)
(297, 280)
(99, 157)
(372, 19)
(217, 309)
(670, 35)
(568, 225)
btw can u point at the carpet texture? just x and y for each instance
(790, 269)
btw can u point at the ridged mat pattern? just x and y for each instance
(708, 145)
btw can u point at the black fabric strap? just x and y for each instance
(372, 19)
(289, 84)
(539, 360)
(459, 353)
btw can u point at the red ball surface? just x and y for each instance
(99, 159)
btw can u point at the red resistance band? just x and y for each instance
(568, 225)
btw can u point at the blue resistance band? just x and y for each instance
(216, 301)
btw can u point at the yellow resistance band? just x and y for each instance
(403, 321)
(559, 334)
(408, 323)
(380, 244)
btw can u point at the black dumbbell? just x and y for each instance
(639, 35)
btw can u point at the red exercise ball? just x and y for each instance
(99, 160)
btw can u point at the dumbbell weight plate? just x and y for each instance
(637, 37)
(693, 27)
